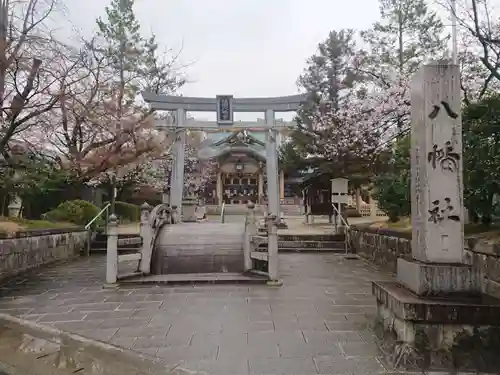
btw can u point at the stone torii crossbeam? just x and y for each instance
(225, 106)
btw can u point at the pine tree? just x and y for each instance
(407, 34)
(122, 44)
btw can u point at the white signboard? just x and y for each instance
(340, 192)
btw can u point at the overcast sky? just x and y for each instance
(246, 48)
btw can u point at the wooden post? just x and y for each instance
(146, 235)
(112, 251)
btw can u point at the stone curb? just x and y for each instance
(37, 349)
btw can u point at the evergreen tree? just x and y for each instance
(407, 34)
(120, 41)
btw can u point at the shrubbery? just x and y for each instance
(392, 189)
(392, 192)
(78, 211)
(127, 211)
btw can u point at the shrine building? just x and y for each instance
(240, 176)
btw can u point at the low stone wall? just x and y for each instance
(384, 246)
(31, 249)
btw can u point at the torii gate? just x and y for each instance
(225, 106)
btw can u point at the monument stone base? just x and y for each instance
(189, 210)
(439, 279)
(429, 333)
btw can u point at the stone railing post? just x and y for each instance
(272, 246)
(250, 230)
(146, 236)
(175, 215)
(112, 251)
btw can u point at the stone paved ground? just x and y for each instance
(316, 323)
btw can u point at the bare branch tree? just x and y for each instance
(26, 86)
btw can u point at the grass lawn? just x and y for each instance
(12, 225)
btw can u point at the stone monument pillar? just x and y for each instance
(436, 295)
(436, 186)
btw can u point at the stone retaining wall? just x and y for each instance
(384, 246)
(31, 249)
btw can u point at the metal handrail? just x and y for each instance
(89, 226)
(223, 212)
(347, 226)
(341, 216)
(106, 207)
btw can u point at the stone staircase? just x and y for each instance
(127, 243)
(308, 243)
(288, 243)
(290, 210)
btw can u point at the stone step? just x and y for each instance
(311, 237)
(311, 244)
(311, 250)
(123, 243)
(129, 257)
(290, 210)
(198, 278)
(121, 250)
(102, 236)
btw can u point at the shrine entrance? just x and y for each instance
(241, 182)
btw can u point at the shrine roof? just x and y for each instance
(217, 144)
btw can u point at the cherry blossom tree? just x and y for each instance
(100, 130)
(331, 134)
(154, 170)
(407, 34)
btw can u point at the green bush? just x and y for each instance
(78, 211)
(127, 211)
(393, 194)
